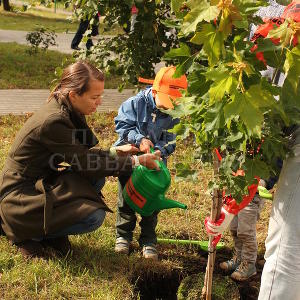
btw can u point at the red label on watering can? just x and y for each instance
(133, 194)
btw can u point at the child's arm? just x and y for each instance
(126, 123)
(167, 143)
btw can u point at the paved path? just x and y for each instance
(19, 102)
(24, 101)
(16, 101)
(63, 40)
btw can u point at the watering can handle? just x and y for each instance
(158, 162)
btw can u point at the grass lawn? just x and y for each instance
(19, 70)
(93, 270)
(29, 20)
(34, 17)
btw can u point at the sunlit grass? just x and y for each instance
(94, 271)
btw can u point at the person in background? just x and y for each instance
(82, 28)
(134, 13)
(141, 123)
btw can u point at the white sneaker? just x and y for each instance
(150, 252)
(122, 246)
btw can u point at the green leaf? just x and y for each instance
(198, 83)
(235, 137)
(205, 12)
(260, 97)
(266, 45)
(214, 118)
(182, 51)
(249, 114)
(292, 66)
(181, 130)
(184, 172)
(217, 73)
(184, 108)
(184, 67)
(282, 32)
(242, 24)
(219, 88)
(212, 41)
(175, 7)
(255, 167)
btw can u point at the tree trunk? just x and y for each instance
(6, 5)
(214, 215)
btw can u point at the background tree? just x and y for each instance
(131, 54)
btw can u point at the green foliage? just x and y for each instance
(230, 107)
(41, 38)
(133, 53)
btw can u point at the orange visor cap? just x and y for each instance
(166, 89)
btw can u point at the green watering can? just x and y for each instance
(145, 191)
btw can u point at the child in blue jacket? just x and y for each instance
(141, 123)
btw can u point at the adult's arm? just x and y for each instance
(57, 135)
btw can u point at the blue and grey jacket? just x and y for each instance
(139, 118)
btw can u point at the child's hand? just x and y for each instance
(149, 160)
(145, 145)
(127, 149)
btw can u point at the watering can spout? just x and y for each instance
(166, 203)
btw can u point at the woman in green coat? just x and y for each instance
(41, 202)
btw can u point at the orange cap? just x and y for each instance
(166, 89)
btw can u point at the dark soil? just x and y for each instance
(160, 283)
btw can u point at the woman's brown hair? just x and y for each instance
(75, 77)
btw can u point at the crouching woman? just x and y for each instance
(42, 203)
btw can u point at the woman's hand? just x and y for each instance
(149, 160)
(145, 145)
(127, 149)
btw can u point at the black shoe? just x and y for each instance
(61, 244)
(75, 48)
(30, 249)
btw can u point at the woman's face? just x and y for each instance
(88, 102)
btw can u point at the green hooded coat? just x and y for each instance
(36, 197)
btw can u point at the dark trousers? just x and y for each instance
(126, 219)
(83, 27)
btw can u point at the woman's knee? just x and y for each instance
(95, 219)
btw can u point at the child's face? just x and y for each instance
(158, 104)
(88, 102)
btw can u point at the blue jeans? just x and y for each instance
(88, 224)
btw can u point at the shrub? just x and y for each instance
(40, 38)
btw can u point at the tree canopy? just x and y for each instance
(229, 106)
